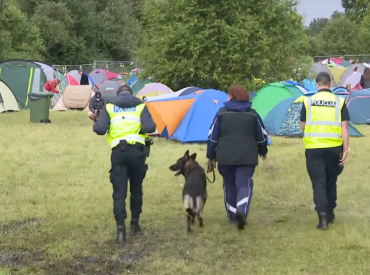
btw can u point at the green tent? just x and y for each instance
(139, 84)
(22, 77)
(8, 102)
(271, 94)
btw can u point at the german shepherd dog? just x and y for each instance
(194, 193)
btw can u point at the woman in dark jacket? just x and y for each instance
(236, 139)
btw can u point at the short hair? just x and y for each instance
(124, 89)
(238, 92)
(367, 69)
(323, 79)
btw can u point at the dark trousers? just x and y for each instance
(128, 163)
(238, 188)
(323, 168)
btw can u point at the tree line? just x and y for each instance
(210, 44)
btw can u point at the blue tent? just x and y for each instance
(195, 125)
(358, 104)
(309, 85)
(283, 119)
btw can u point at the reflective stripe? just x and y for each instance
(309, 122)
(243, 201)
(128, 138)
(322, 135)
(118, 119)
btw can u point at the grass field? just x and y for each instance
(56, 210)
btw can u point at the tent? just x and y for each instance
(77, 77)
(153, 89)
(164, 96)
(337, 73)
(283, 119)
(109, 89)
(317, 68)
(271, 94)
(137, 84)
(341, 91)
(310, 85)
(187, 118)
(182, 92)
(22, 77)
(358, 103)
(75, 97)
(71, 80)
(98, 76)
(299, 86)
(8, 102)
(51, 73)
(190, 90)
(348, 72)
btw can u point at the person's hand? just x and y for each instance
(211, 164)
(263, 157)
(343, 158)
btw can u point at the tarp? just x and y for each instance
(77, 77)
(270, 95)
(348, 72)
(8, 102)
(154, 89)
(283, 119)
(358, 104)
(22, 77)
(109, 89)
(75, 97)
(187, 118)
(99, 76)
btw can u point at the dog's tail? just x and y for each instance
(193, 205)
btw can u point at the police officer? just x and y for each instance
(324, 120)
(126, 120)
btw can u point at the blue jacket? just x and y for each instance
(235, 105)
(101, 126)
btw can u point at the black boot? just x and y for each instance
(323, 221)
(331, 217)
(121, 234)
(242, 220)
(135, 229)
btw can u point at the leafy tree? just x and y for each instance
(355, 9)
(218, 43)
(317, 25)
(339, 37)
(121, 31)
(18, 38)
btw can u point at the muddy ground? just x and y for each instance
(107, 258)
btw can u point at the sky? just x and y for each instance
(312, 9)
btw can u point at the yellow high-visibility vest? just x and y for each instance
(323, 121)
(125, 125)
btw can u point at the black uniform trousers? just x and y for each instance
(128, 164)
(323, 168)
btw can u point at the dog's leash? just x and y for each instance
(209, 169)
